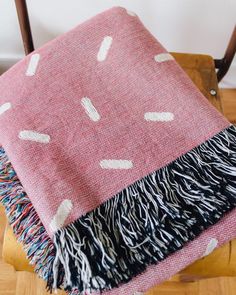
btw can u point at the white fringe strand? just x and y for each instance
(150, 219)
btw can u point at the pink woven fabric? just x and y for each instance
(95, 110)
(122, 88)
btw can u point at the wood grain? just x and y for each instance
(7, 272)
(228, 97)
(201, 70)
(13, 253)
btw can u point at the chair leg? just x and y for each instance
(223, 64)
(23, 18)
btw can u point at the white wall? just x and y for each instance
(200, 26)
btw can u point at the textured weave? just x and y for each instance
(123, 160)
(123, 88)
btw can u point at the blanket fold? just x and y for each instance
(151, 218)
(111, 160)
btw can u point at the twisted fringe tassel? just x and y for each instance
(25, 222)
(139, 226)
(150, 219)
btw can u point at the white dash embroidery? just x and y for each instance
(34, 136)
(90, 109)
(5, 107)
(162, 117)
(138, 293)
(210, 247)
(104, 48)
(163, 57)
(131, 12)
(33, 64)
(61, 215)
(116, 164)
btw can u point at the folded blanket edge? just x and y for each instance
(150, 219)
(123, 246)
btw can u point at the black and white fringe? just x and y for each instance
(150, 219)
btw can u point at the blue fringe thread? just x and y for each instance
(25, 222)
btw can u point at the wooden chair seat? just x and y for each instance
(222, 262)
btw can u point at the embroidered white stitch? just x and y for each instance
(104, 48)
(131, 12)
(5, 107)
(210, 247)
(162, 117)
(116, 164)
(33, 64)
(90, 109)
(34, 136)
(138, 293)
(163, 57)
(61, 215)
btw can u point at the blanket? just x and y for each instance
(115, 171)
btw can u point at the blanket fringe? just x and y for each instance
(150, 219)
(25, 222)
(140, 226)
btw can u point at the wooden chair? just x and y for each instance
(202, 70)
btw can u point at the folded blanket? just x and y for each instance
(122, 169)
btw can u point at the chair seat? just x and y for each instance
(200, 68)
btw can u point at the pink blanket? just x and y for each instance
(119, 161)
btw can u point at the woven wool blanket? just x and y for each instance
(115, 171)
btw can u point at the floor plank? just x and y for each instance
(2, 227)
(29, 284)
(7, 272)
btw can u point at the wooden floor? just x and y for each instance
(23, 283)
